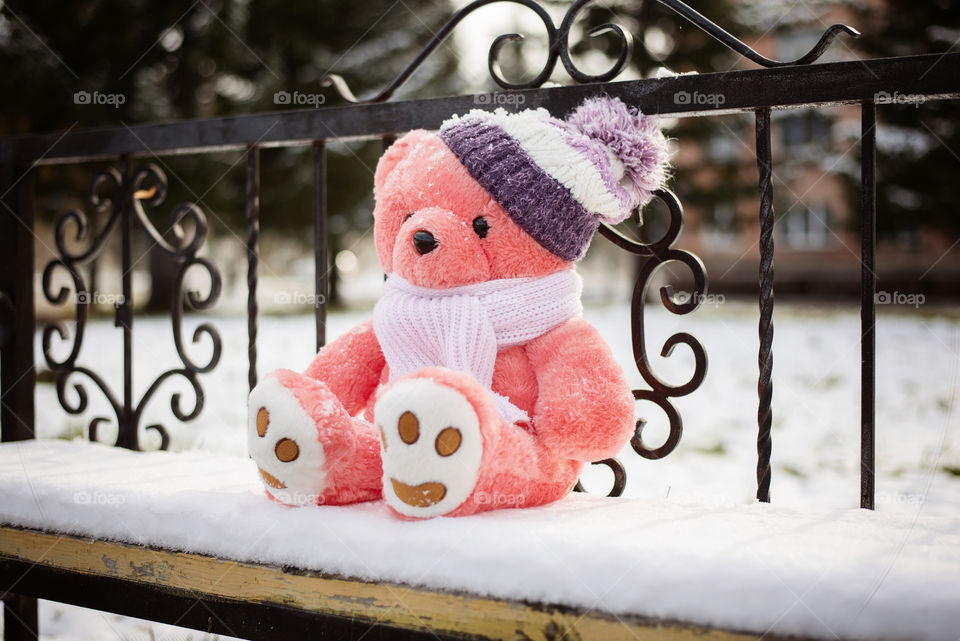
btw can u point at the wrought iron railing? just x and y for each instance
(780, 85)
(129, 190)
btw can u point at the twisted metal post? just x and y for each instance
(868, 318)
(765, 359)
(253, 259)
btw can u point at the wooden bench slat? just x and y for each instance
(390, 604)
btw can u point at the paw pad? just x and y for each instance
(263, 421)
(431, 447)
(448, 441)
(282, 440)
(287, 450)
(409, 428)
(271, 480)
(423, 495)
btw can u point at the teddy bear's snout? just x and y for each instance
(436, 247)
(424, 242)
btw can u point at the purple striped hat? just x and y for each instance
(559, 179)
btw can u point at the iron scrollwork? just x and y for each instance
(558, 40)
(122, 198)
(660, 253)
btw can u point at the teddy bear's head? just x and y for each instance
(497, 195)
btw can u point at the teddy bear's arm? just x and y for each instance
(584, 408)
(351, 366)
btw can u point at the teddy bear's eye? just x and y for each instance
(408, 217)
(481, 226)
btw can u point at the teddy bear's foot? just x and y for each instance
(430, 428)
(308, 450)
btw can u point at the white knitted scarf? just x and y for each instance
(463, 327)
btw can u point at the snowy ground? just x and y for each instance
(816, 410)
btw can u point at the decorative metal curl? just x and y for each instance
(82, 301)
(199, 303)
(661, 252)
(559, 48)
(623, 58)
(340, 85)
(97, 204)
(619, 477)
(739, 46)
(122, 197)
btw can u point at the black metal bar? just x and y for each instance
(17, 371)
(931, 76)
(321, 262)
(765, 358)
(386, 142)
(868, 288)
(253, 259)
(124, 309)
(20, 618)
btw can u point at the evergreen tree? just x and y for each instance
(182, 59)
(918, 152)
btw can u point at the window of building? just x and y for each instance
(804, 227)
(720, 230)
(805, 128)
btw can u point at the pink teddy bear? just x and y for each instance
(477, 384)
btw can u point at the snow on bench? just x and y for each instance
(754, 568)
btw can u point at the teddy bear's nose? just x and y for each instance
(424, 242)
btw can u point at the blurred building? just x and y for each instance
(816, 182)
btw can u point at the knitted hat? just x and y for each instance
(559, 179)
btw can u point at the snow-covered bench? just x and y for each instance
(190, 539)
(89, 524)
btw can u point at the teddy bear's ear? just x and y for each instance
(397, 152)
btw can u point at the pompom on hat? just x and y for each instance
(559, 179)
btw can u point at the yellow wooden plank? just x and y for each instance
(392, 604)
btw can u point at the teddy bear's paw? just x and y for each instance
(282, 439)
(432, 447)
